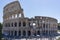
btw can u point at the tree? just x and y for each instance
(0, 31)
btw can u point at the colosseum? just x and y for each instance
(17, 26)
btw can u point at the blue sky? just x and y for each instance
(50, 8)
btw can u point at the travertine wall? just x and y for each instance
(15, 24)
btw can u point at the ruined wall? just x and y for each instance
(16, 25)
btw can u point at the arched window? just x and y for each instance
(29, 24)
(19, 23)
(19, 15)
(34, 33)
(29, 33)
(24, 33)
(38, 32)
(24, 24)
(43, 32)
(46, 25)
(5, 24)
(15, 15)
(15, 33)
(12, 24)
(43, 25)
(15, 24)
(19, 33)
(32, 24)
(8, 24)
(46, 32)
(11, 33)
(12, 16)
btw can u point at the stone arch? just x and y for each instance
(19, 23)
(43, 25)
(38, 32)
(24, 23)
(20, 15)
(24, 33)
(12, 24)
(15, 33)
(15, 15)
(6, 25)
(15, 24)
(19, 33)
(29, 33)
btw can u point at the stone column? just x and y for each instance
(17, 15)
(17, 28)
(48, 29)
(27, 23)
(13, 32)
(21, 27)
(10, 32)
(13, 24)
(10, 24)
(40, 32)
(36, 33)
(36, 23)
(31, 33)
(21, 23)
(17, 33)
(45, 28)
(42, 29)
(21, 32)
(26, 33)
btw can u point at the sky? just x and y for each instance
(50, 8)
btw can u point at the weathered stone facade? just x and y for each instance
(16, 25)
